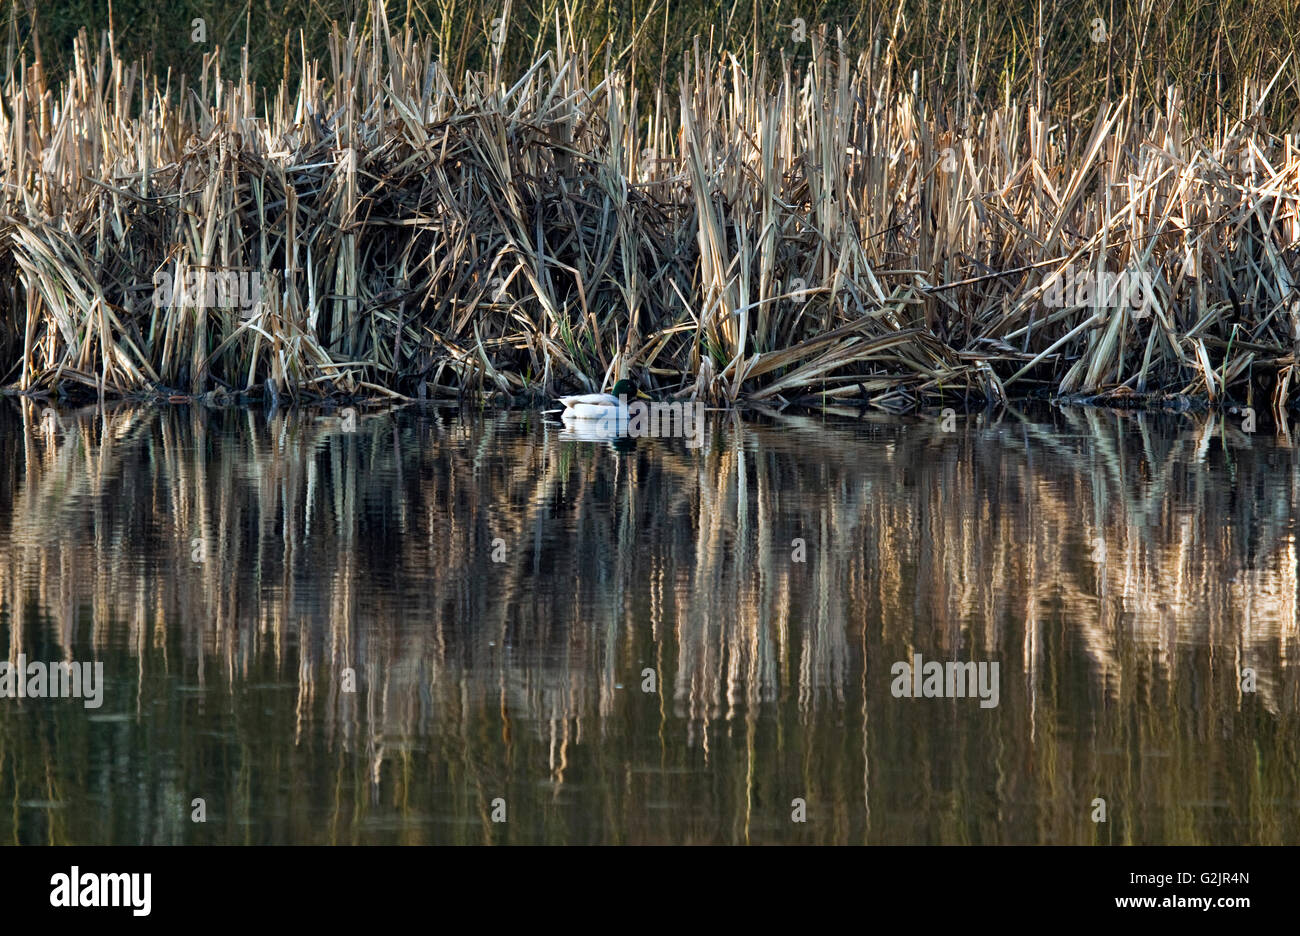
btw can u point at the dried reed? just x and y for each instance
(808, 233)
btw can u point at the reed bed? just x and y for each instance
(825, 231)
(372, 550)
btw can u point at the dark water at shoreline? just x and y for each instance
(228, 568)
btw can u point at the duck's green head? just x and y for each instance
(626, 388)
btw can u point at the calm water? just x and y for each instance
(232, 570)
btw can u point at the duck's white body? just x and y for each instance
(593, 406)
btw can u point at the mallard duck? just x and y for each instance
(605, 406)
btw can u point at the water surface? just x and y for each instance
(648, 643)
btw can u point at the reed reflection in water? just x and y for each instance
(230, 568)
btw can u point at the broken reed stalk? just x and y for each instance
(773, 236)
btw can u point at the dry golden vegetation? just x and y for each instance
(844, 227)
